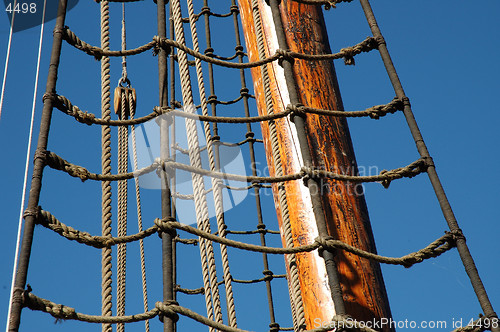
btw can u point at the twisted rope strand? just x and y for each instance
(212, 299)
(347, 53)
(60, 311)
(385, 177)
(434, 249)
(122, 207)
(139, 212)
(106, 258)
(374, 112)
(216, 183)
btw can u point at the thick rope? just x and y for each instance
(106, 259)
(212, 299)
(346, 53)
(122, 207)
(216, 183)
(385, 177)
(434, 249)
(338, 322)
(139, 212)
(297, 305)
(49, 221)
(374, 112)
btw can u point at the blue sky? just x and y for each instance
(446, 54)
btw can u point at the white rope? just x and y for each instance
(28, 152)
(212, 298)
(7, 62)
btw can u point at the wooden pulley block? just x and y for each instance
(119, 90)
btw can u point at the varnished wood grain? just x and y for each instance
(330, 143)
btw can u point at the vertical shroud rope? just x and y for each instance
(106, 259)
(121, 255)
(212, 299)
(122, 201)
(131, 103)
(139, 212)
(216, 183)
(294, 286)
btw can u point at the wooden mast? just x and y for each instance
(329, 140)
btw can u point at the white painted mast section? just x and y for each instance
(295, 159)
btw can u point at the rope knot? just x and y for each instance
(158, 110)
(166, 310)
(282, 55)
(349, 53)
(455, 235)
(212, 99)
(387, 181)
(209, 52)
(159, 43)
(323, 242)
(108, 242)
(32, 212)
(49, 95)
(42, 155)
(77, 171)
(296, 110)
(85, 117)
(274, 327)
(164, 225)
(366, 45)
(160, 167)
(244, 92)
(382, 110)
(96, 52)
(205, 10)
(409, 171)
(239, 51)
(380, 40)
(305, 173)
(268, 275)
(234, 9)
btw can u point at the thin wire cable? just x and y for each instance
(7, 65)
(28, 150)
